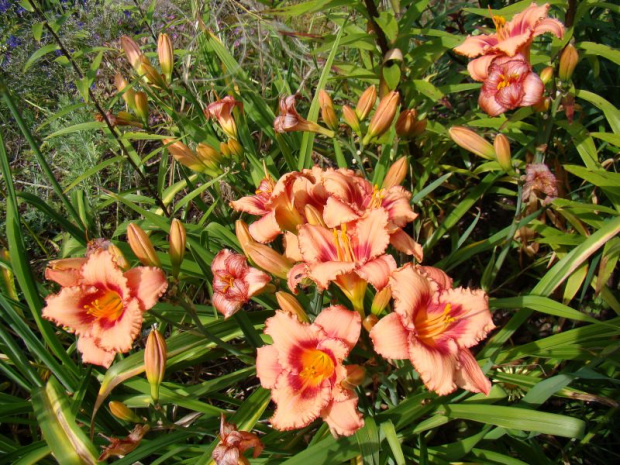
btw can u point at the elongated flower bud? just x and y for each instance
(381, 300)
(350, 117)
(502, 149)
(122, 412)
(472, 142)
(383, 117)
(235, 148)
(184, 155)
(166, 56)
(243, 235)
(128, 94)
(268, 259)
(355, 376)
(568, 62)
(290, 304)
(153, 76)
(396, 174)
(546, 75)
(118, 257)
(142, 246)
(142, 106)
(370, 321)
(177, 241)
(366, 103)
(155, 354)
(209, 156)
(327, 110)
(408, 125)
(133, 53)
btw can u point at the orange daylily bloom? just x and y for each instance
(102, 304)
(434, 326)
(305, 372)
(233, 443)
(234, 282)
(222, 112)
(511, 38)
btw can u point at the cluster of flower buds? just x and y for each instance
(478, 145)
(143, 66)
(143, 248)
(205, 159)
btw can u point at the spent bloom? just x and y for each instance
(434, 326)
(511, 38)
(289, 120)
(234, 282)
(102, 304)
(305, 372)
(233, 443)
(222, 111)
(539, 182)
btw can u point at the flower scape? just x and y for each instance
(391, 242)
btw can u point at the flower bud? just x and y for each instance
(396, 174)
(502, 149)
(118, 257)
(472, 142)
(225, 150)
(542, 105)
(327, 110)
(142, 246)
(381, 300)
(155, 354)
(355, 376)
(383, 117)
(235, 148)
(7, 275)
(122, 412)
(133, 53)
(268, 259)
(243, 235)
(408, 125)
(350, 117)
(142, 106)
(289, 304)
(313, 216)
(209, 156)
(546, 75)
(370, 321)
(568, 62)
(152, 76)
(184, 155)
(177, 242)
(366, 103)
(128, 94)
(166, 56)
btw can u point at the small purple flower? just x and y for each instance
(13, 41)
(127, 14)
(4, 5)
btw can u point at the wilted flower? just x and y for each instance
(234, 282)
(434, 326)
(121, 447)
(289, 120)
(101, 304)
(304, 369)
(222, 111)
(512, 38)
(539, 180)
(233, 443)
(511, 83)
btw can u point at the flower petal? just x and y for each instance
(371, 237)
(267, 367)
(288, 334)
(477, 45)
(397, 203)
(490, 105)
(390, 338)
(291, 247)
(102, 271)
(147, 284)
(266, 229)
(336, 212)
(251, 204)
(324, 273)
(66, 271)
(343, 418)
(119, 335)
(533, 89)
(66, 309)
(404, 243)
(470, 310)
(436, 368)
(470, 376)
(256, 280)
(377, 272)
(340, 323)
(551, 25)
(225, 305)
(316, 244)
(410, 291)
(296, 407)
(479, 68)
(92, 353)
(439, 276)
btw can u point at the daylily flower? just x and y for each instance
(233, 443)
(120, 447)
(511, 83)
(222, 112)
(304, 369)
(289, 120)
(434, 326)
(539, 183)
(234, 282)
(511, 38)
(349, 257)
(102, 304)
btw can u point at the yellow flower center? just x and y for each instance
(230, 282)
(500, 26)
(317, 366)
(108, 305)
(377, 197)
(428, 327)
(507, 79)
(343, 245)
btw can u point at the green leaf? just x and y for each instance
(77, 127)
(389, 432)
(68, 442)
(602, 50)
(388, 25)
(368, 440)
(427, 89)
(49, 48)
(611, 112)
(518, 418)
(37, 31)
(542, 305)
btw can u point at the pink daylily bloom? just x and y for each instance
(234, 282)
(511, 38)
(304, 369)
(233, 443)
(434, 326)
(349, 256)
(221, 110)
(511, 83)
(102, 304)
